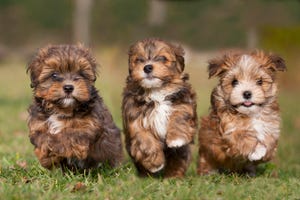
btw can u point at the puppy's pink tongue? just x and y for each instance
(247, 103)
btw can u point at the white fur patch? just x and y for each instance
(264, 128)
(245, 67)
(260, 128)
(259, 152)
(177, 143)
(55, 125)
(246, 62)
(159, 117)
(68, 102)
(157, 169)
(151, 83)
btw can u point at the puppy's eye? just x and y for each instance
(259, 82)
(77, 78)
(139, 60)
(54, 76)
(161, 59)
(234, 82)
(87, 76)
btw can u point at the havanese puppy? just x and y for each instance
(159, 109)
(243, 126)
(68, 122)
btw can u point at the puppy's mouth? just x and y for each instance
(247, 104)
(68, 96)
(151, 82)
(64, 101)
(150, 77)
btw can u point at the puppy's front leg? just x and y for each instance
(148, 151)
(42, 150)
(245, 144)
(45, 159)
(182, 126)
(70, 143)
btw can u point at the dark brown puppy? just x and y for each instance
(243, 126)
(68, 122)
(159, 109)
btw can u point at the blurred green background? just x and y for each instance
(203, 27)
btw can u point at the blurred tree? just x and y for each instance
(82, 13)
(256, 14)
(202, 24)
(157, 12)
(119, 22)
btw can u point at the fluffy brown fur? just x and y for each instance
(159, 109)
(68, 122)
(242, 128)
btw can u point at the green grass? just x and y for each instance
(21, 176)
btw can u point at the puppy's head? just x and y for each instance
(153, 63)
(247, 80)
(63, 74)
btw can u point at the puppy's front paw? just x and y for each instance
(149, 154)
(259, 152)
(154, 162)
(45, 158)
(175, 143)
(156, 169)
(57, 147)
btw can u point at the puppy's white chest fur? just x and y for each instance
(55, 125)
(158, 119)
(261, 128)
(265, 127)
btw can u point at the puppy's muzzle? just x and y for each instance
(148, 69)
(68, 88)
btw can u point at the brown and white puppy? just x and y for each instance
(68, 122)
(159, 109)
(243, 126)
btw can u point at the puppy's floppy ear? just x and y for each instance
(179, 53)
(34, 67)
(216, 67)
(87, 54)
(130, 53)
(31, 74)
(276, 63)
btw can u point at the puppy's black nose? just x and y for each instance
(68, 88)
(247, 95)
(148, 69)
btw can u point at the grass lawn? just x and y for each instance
(21, 176)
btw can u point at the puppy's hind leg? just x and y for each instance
(108, 149)
(178, 160)
(205, 167)
(250, 169)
